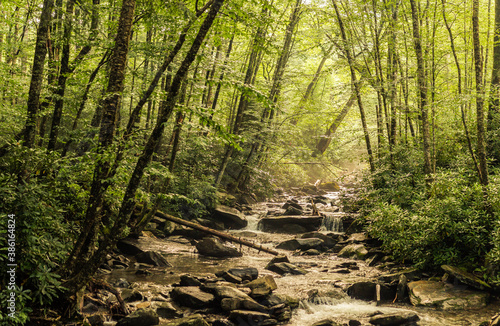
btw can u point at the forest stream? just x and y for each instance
(321, 292)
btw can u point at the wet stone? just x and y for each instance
(246, 274)
(140, 317)
(230, 217)
(286, 268)
(402, 318)
(301, 244)
(153, 258)
(189, 280)
(368, 291)
(128, 247)
(326, 322)
(231, 278)
(192, 297)
(262, 286)
(129, 295)
(357, 251)
(194, 320)
(96, 320)
(212, 247)
(167, 310)
(248, 317)
(122, 283)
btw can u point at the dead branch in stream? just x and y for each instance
(215, 232)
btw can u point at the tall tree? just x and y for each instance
(37, 74)
(478, 67)
(422, 90)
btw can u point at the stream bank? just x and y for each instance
(327, 273)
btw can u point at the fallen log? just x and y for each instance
(215, 232)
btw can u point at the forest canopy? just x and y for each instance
(112, 110)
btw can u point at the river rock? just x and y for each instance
(368, 291)
(230, 304)
(329, 186)
(248, 317)
(293, 211)
(167, 310)
(466, 278)
(223, 291)
(329, 240)
(189, 280)
(140, 317)
(96, 320)
(445, 296)
(292, 203)
(194, 320)
(401, 318)
(128, 247)
(290, 224)
(286, 268)
(356, 251)
(246, 273)
(231, 278)
(192, 297)
(301, 244)
(153, 258)
(326, 322)
(231, 217)
(129, 295)
(212, 247)
(495, 320)
(262, 286)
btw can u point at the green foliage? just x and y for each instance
(42, 191)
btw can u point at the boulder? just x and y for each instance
(293, 211)
(329, 186)
(246, 273)
(193, 320)
(262, 286)
(286, 268)
(192, 297)
(248, 317)
(230, 304)
(329, 240)
(301, 244)
(140, 317)
(326, 322)
(466, 278)
(189, 280)
(129, 295)
(128, 247)
(213, 247)
(223, 291)
(445, 296)
(231, 217)
(356, 251)
(401, 318)
(292, 203)
(290, 224)
(152, 258)
(368, 291)
(167, 310)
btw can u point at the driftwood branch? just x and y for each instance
(215, 232)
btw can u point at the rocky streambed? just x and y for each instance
(326, 273)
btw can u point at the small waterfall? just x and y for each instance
(332, 222)
(253, 222)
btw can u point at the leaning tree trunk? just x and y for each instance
(83, 274)
(37, 73)
(110, 106)
(356, 86)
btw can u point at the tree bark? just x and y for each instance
(37, 74)
(478, 66)
(110, 106)
(356, 87)
(422, 86)
(81, 276)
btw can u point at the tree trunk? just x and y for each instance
(110, 105)
(37, 74)
(81, 276)
(493, 125)
(356, 87)
(422, 86)
(63, 76)
(478, 66)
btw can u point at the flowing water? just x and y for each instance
(322, 275)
